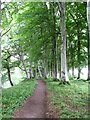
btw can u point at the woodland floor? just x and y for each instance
(38, 105)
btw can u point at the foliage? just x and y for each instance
(76, 25)
(33, 27)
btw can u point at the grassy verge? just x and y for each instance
(13, 98)
(70, 100)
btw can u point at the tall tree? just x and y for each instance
(64, 74)
(54, 41)
(88, 20)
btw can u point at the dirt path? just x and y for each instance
(35, 106)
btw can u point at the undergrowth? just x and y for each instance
(14, 97)
(70, 100)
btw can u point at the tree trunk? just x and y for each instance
(45, 63)
(45, 69)
(54, 44)
(40, 73)
(78, 52)
(64, 74)
(23, 63)
(9, 75)
(34, 73)
(25, 70)
(30, 71)
(51, 69)
(79, 71)
(73, 71)
(88, 20)
(72, 59)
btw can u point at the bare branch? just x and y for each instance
(6, 32)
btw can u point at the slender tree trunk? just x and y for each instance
(49, 75)
(59, 67)
(72, 59)
(58, 61)
(73, 71)
(88, 20)
(30, 71)
(79, 72)
(45, 63)
(78, 52)
(23, 63)
(40, 73)
(51, 69)
(34, 73)
(45, 68)
(9, 75)
(25, 70)
(64, 74)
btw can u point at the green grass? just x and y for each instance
(70, 100)
(14, 97)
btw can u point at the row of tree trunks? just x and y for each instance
(64, 72)
(63, 69)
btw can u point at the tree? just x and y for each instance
(64, 74)
(88, 20)
(6, 64)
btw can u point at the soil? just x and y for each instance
(38, 105)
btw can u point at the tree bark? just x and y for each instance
(64, 74)
(30, 71)
(54, 43)
(88, 20)
(9, 75)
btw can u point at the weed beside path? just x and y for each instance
(14, 97)
(70, 100)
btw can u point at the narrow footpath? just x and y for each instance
(35, 106)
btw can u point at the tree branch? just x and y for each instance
(21, 68)
(6, 32)
(73, 17)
